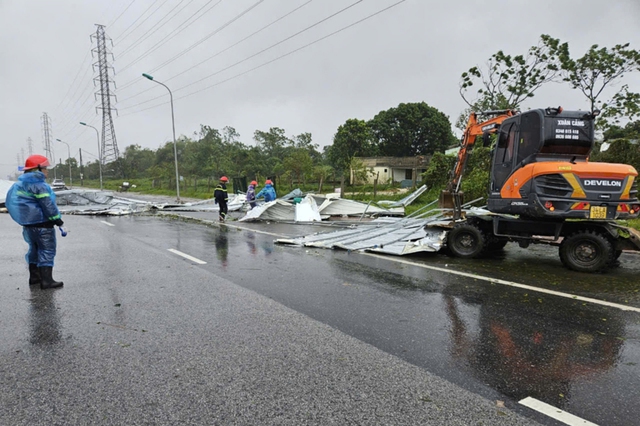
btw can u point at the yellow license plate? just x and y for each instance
(598, 212)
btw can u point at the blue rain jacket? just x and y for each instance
(31, 200)
(268, 193)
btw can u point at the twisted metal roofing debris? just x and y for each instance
(94, 202)
(426, 231)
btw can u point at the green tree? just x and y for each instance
(353, 139)
(273, 143)
(305, 141)
(359, 172)
(507, 80)
(602, 67)
(321, 174)
(439, 171)
(630, 131)
(475, 183)
(620, 151)
(137, 160)
(299, 163)
(411, 129)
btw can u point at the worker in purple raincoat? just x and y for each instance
(251, 193)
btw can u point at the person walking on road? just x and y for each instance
(221, 197)
(251, 194)
(32, 204)
(268, 192)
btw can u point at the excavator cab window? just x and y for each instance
(506, 139)
(530, 137)
(503, 156)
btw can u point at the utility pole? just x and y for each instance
(109, 146)
(81, 170)
(30, 146)
(46, 141)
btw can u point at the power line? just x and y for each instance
(172, 35)
(69, 121)
(138, 26)
(275, 59)
(77, 93)
(215, 55)
(74, 80)
(122, 13)
(157, 26)
(237, 43)
(222, 27)
(257, 53)
(138, 18)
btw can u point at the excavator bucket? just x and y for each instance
(450, 200)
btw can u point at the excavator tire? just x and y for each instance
(587, 251)
(467, 240)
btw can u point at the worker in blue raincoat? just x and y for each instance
(268, 192)
(32, 203)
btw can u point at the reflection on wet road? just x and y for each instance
(44, 319)
(495, 340)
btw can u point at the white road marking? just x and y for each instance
(469, 275)
(513, 284)
(107, 223)
(555, 413)
(186, 256)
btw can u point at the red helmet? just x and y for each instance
(224, 179)
(268, 182)
(36, 162)
(254, 183)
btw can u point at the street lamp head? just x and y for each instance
(145, 75)
(83, 123)
(59, 140)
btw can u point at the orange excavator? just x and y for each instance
(540, 177)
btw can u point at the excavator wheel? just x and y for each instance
(587, 251)
(467, 240)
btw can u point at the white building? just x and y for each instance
(406, 170)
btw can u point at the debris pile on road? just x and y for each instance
(423, 231)
(388, 235)
(296, 207)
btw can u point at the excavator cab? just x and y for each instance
(541, 169)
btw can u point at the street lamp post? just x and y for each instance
(99, 150)
(68, 161)
(173, 124)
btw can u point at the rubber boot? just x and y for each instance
(34, 274)
(47, 278)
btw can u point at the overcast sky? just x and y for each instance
(413, 52)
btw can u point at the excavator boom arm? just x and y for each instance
(474, 129)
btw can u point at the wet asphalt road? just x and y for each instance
(271, 334)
